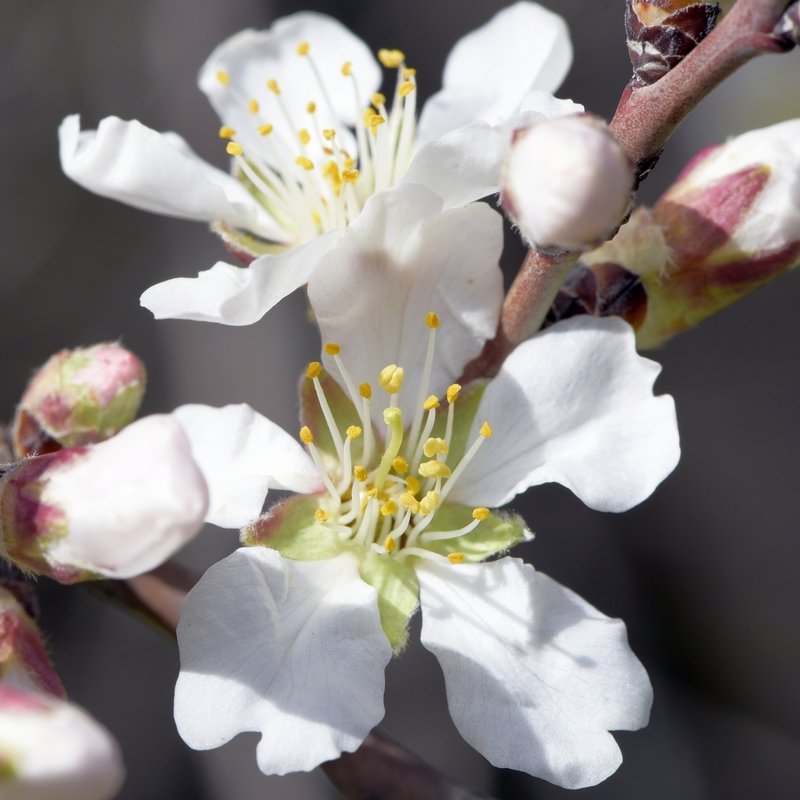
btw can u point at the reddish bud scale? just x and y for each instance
(661, 33)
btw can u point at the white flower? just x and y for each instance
(312, 139)
(117, 509)
(52, 750)
(289, 636)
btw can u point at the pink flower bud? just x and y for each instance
(52, 750)
(23, 656)
(114, 509)
(79, 397)
(567, 182)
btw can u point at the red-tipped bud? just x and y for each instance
(79, 397)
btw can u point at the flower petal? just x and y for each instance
(237, 295)
(242, 455)
(535, 676)
(251, 58)
(158, 172)
(130, 502)
(490, 70)
(574, 405)
(291, 649)
(401, 259)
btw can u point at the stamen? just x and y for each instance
(347, 69)
(390, 379)
(272, 85)
(452, 394)
(405, 88)
(432, 322)
(304, 162)
(434, 469)
(234, 149)
(435, 447)
(408, 501)
(391, 59)
(400, 465)
(378, 100)
(322, 515)
(308, 440)
(252, 106)
(265, 130)
(420, 552)
(303, 48)
(313, 372)
(226, 132)
(305, 137)
(223, 77)
(455, 558)
(478, 516)
(413, 484)
(484, 433)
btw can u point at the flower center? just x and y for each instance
(319, 179)
(388, 500)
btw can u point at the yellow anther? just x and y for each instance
(353, 432)
(365, 390)
(305, 435)
(378, 99)
(349, 163)
(322, 515)
(272, 85)
(400, 465)
(388, 508)
(331, 170)
(409, 502)
(433, 447)
(409, 72)
(252, 106)
(265, 130)
(391, 378)
(390, 544)
(431, 403)
(486, 430)
(405, 88)
(347, 69)
(453, 391)
(429, 503)
(304, 136)
(350, 175)
(226, 132)
(480, 514)
(311, 107)
(432, 320)
(455, 558)
(391, 59)
(360, 473)
(303, 48)
(316, 217)
(234, 149)
(328, 133)
(368, 114)
(313, 370)
(434, 469)
(332, 348)
(223, 77)
(413, 484)
(304, 162)
(374, 120)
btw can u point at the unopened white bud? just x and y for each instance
(52, 750)
(567, 183)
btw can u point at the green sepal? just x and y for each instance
(497, 534)
(465, 410)
(398, 594)
(291, 528)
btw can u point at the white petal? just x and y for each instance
(402, 258)
(291, 649)
(52, 750)
(130, 502)
(157, 172)
(535, 676)
(490, 70)
(237, 295)
(574, 405)
(242, 455)
(252, 57)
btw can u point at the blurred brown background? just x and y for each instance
(706, 573)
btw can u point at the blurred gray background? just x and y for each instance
(706, 573)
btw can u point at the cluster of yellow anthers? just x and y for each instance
(324, 185)
(388, 501)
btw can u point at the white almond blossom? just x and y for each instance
(397, 472)
(311, 139)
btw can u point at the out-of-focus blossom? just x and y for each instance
(567, 182)
(289, 636)
(114, 509)
(312, 139)
(79, 397)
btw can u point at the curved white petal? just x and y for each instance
(251, 58)
(535, 676)
(242, 455)
(574, 405)
(490, 70)
(402, 258)
(127, 161)
(53, 750)
(291, 649)
(237, 295)
(130, 502)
